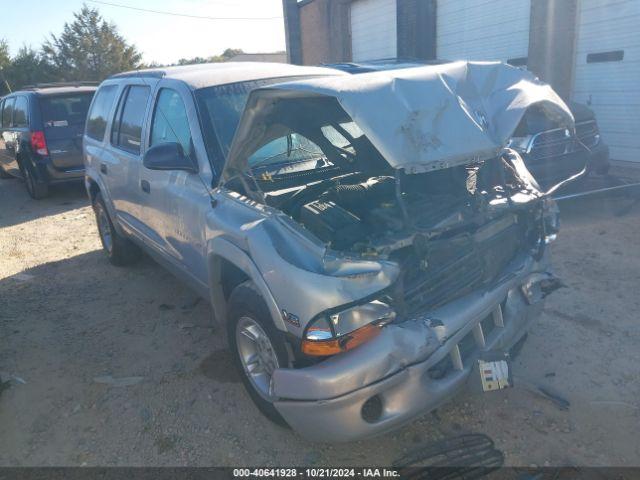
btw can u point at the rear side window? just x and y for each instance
(127, 127)
(65, 110)
(170, 123)
(7, 112)
(97, 120)
(20, 117)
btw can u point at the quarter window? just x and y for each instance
(20, 118)
(7, 112)
(170, 122)
(97, 119)
(127, 133)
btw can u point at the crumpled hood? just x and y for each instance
(422, 118)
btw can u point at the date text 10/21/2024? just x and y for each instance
(316, 472)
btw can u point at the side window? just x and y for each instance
(1, 107)
(97, 119)
(170, 122)
(20, 116)
(7, 112)
(127, 133)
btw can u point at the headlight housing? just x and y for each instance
(337, 332)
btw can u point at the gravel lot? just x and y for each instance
(69, 322)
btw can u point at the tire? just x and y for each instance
(246, 303)
(4, 174)
(36, 190)
(120, 250)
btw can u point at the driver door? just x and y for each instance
(175, 203)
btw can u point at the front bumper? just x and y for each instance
(413, 366)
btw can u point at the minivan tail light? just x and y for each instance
(38, 143)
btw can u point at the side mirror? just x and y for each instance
(168, 156)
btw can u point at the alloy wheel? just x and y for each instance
(104, 228)
(257, 355)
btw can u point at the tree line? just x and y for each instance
(88, 49)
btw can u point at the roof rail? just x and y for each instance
(61, 84)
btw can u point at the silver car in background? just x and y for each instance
(365, 241)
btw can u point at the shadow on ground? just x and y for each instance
(23, 208)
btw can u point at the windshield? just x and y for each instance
(220, 110)
(290, 148)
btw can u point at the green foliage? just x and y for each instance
(89, 48)
(5, 61)
(29, 67)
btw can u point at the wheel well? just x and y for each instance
(231, 276)
(94, 189)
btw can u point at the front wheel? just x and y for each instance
(258, 348)
(120, 250)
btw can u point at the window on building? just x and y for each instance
(613, 56)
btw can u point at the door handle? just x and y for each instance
(144, 185)
(103, 168)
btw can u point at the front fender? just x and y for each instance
(219, 249)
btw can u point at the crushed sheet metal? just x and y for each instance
(392, 350)
(423, 118)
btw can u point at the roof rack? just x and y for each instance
(60, 84)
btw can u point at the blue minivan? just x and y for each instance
(41, 131)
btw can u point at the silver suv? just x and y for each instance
(367, 242)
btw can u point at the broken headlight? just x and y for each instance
(338, 332)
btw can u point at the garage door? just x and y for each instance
(373, 29)
(483, 30)
(607, 71)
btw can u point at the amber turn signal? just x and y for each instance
(324, 348)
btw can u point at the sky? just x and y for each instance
(161, 38)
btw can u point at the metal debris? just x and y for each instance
(466, 457)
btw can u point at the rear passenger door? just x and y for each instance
(19, 130)
(175, 202)
(120, 163)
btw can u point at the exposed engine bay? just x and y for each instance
(428, 185)
(451, 231)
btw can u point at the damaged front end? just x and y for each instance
(402, 253)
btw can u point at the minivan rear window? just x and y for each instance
(65, 110)
(97, 120)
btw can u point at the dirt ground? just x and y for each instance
(111, 366)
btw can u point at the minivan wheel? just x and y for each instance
(120, 250)
(4, 174)
(258, 348)
(35, 189)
